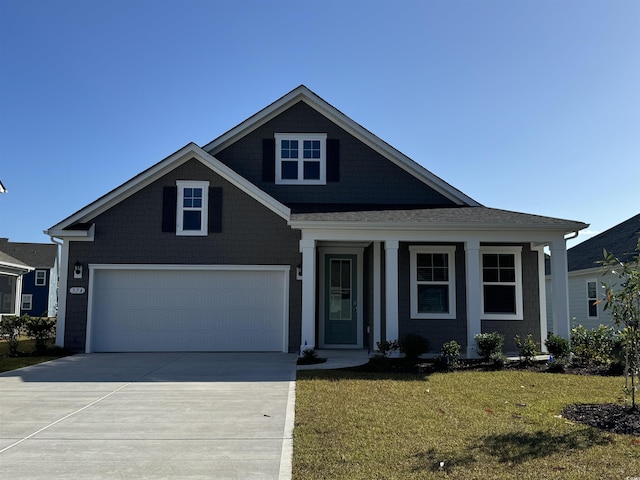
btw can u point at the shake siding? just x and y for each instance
(131, 232)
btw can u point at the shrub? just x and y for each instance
(386, 347)
(593, 347)
(557, 346)
(498, 360)
(413, 345)
(11, 327)
(527, 348)
(489, 343)
(41, 329)
(449, 355)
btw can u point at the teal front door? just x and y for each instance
(341, 300)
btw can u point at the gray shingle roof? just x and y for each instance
(620, 240)
(9, 260)
(37, 255)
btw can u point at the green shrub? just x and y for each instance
(488, 344)
(413, 345)
(386, 347)
(593, 347)
(11, 327)
(527, 348)
(41, 329)
(557, 346)
(449, 355)
(498, 360)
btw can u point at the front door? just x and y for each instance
(341, 300)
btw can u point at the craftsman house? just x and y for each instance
(299, 228)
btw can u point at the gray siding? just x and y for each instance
(130, 232)
(366, 177)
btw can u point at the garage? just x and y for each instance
(153, 308)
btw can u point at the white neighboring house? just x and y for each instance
(586, 277)
(11, 273)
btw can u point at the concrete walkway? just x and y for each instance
(149, 416)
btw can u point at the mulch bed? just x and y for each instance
(606, 416)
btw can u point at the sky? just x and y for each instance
(524, 105)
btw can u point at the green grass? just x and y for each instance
(27, 356)
(482, 425)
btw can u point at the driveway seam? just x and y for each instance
(63, 418)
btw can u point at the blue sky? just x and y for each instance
(531, 106)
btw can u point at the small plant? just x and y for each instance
(309, 354)
(413, 345)
(488, 344)
(498, 360)
(557, 347)
(449, 355)
(527, 349)
(41, 329)
(310, 357)
(11, 327)
(593, 347)
(386, 347)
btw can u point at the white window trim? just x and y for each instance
(300, 137)
(450, 251)
(517, 252)
(42, 283)
(26, 302)
(204, 227)
(589, 299)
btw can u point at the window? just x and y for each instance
(501, 283)
(301, 158)
(41, 278)
(27, 302)
(433, 282)
(193, 198)
(592, 297)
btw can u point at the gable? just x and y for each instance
(356, 174)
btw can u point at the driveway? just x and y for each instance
(149, 416)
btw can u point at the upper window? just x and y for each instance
(433, 282)
(41, 278)
(501, 283)
(193, 199)
(592, 297)
(301, 158)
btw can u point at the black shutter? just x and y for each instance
(215, 209)
(333, 160)
(268, 159)
(169, 208)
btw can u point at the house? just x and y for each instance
(39, 293)
(2, 188)
(11, 272)
(586, 277)
(299, 228)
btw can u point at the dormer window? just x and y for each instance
(301, 158)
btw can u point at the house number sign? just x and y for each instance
(76, 290)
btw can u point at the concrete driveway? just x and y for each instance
(149, 416)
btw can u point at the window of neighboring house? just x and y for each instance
(193, 198)
(27, 302)
(301, 158)
(432, 282)
(592, 297)
(41, 278)
(501, 283)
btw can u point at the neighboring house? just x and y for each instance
(296, 229)
(2, 188)
(11, 272)
(586, 276)
(39, 295)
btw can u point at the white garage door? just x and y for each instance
(187, 309)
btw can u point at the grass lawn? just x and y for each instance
(482, 425)
(26, 357)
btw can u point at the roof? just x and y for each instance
(37, 255)
(620, 240)
(303, 94)
(2, 188)
(437, 218)
(12, 265)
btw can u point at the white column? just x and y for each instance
(63, 287)
(474, 291)
(542, 292)
(308, 338)
(391, 289)
(377, 295)
(560, 288)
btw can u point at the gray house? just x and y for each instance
(299, 228)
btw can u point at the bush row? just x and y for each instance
(41, 329)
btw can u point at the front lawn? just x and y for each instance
(26, 355)
(466, 425)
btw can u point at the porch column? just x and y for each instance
(308, 333)
(542, 292)
(391, 289)
(474, 292)
(377, 295)
(560, 288)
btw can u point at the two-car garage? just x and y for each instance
(145, 308)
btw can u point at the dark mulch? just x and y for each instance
(606, 416)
